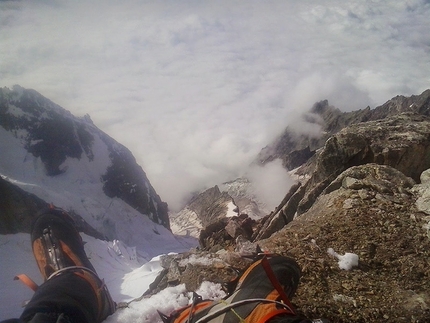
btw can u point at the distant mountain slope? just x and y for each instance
(65, 160)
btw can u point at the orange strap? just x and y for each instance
(276, 284)
(27, 281)
(183, 316)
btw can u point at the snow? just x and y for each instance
(126, 274)
(80, 189)
(186, 223)
(17, 112)
(232, 210)
(347, 261)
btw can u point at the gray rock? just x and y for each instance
(387, 142)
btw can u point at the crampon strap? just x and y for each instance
(210, 316)
(275, 282)
(27, 281)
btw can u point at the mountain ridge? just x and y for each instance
(68, 161)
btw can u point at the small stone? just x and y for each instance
(425, 176)
(351, 183)
(348, 204)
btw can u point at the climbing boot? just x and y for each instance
(56, 243)
(59, 249)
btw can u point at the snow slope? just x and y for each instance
(80, 189)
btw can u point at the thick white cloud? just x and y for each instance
(196, 88)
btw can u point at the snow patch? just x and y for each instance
(186, 223)
(209, 290)
(347, 261)
(232, 210)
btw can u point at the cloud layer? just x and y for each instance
(195, 89)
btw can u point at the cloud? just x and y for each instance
(195, 89)
(270, 182)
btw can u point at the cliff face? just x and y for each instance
(56, 157)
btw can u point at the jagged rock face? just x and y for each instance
(206, 208)
(211, 205)
(369, 210)
(126, 180)
(17, 208)
(63, 145)
(401, 141)
(243, 193)
(295, 148)
(50, 131)
(186, 223)
(213, 217)
(419, 104)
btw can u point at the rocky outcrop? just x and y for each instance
(390, 141)
(213, 217)
(295, 146)
(195, 267)
(46, 149)
(223, 233)
(209, 207)
(369, 210)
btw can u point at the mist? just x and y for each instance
(196, 89)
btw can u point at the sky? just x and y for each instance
(195, 89)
